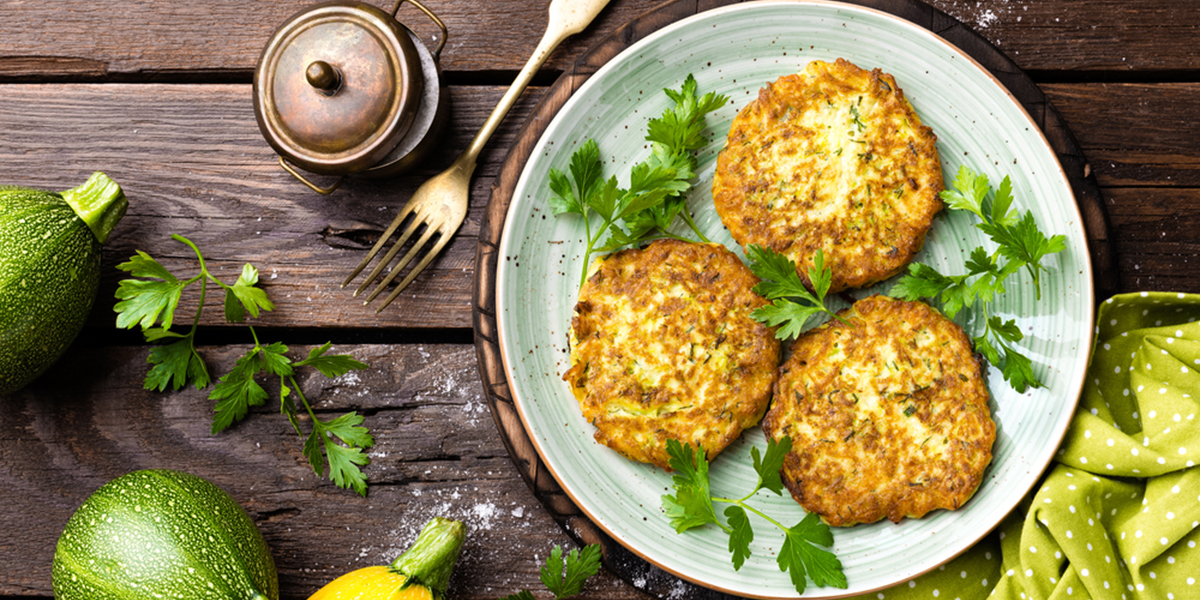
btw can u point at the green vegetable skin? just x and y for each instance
(49, 270)
(159, 534)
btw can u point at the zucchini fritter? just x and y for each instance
(888, 416)
(663, 346)
(833, 158)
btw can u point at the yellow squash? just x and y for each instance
(421, 573)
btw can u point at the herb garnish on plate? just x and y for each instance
(1020, 245)
(801, 555)
(657, 185)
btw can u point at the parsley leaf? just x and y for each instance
(922, 281)
(801, 555)
(347, 428)
(585, 174)
(1020, 245)
(175, 364)
(969, 192)
(343, 460)
(275, 360)
(242, 296)
(145, 302)
(567, 579)
(691, 506)
(787, 315)
(657, 185)
(769, 467)
(674, 137)
(330, 366)
(237, 392)
(150, 301)
(781, 283)
(740, 535)
(1018, 370)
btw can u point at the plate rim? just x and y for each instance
(1088, 293)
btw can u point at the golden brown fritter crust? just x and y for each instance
(833, 158)
(663, 346)
(888, 416)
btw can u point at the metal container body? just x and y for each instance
(343, 88)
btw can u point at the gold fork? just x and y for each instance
(440, 204)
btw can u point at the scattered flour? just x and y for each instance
(987, 19)
(487, 520)
(973, 13)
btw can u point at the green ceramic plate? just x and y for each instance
(735, 51)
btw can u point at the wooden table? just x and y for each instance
(158, 95)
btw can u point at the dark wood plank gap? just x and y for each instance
(221, 39)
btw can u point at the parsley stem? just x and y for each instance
(587, 254)
(200, 308)
(199, 257)
(200, 277)
(687, 218)
(204, 272)
(1033, 272)
(303, 400)
(742, 499)
(745, 506)
(191, 334)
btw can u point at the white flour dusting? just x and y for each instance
(483, 519)
(987, 19)
(976, 15)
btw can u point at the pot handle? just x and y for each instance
(441, 42)
(312, 186)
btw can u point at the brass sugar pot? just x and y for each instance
(343, 88)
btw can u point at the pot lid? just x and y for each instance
(338, 87)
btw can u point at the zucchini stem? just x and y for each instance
(430, 560)
(99, 202)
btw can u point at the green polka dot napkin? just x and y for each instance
(1118, 514)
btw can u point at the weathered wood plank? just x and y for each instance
(437, 452)
(223, 38)
(1157, 237)
(192, 162)
(1135, 134)
(1082, 35)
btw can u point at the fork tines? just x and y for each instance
(415, 222)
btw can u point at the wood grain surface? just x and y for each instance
(147, 40)
(157, 94)
(212, 178)
(436, 453)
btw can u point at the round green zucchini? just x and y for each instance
(49, 270)
(162, 535)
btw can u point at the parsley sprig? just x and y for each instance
(565, 578)
(793, 303)
(802, 555)
(657, 185)
(1020, 245)
(149, 301)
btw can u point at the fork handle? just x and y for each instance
(567, 17)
